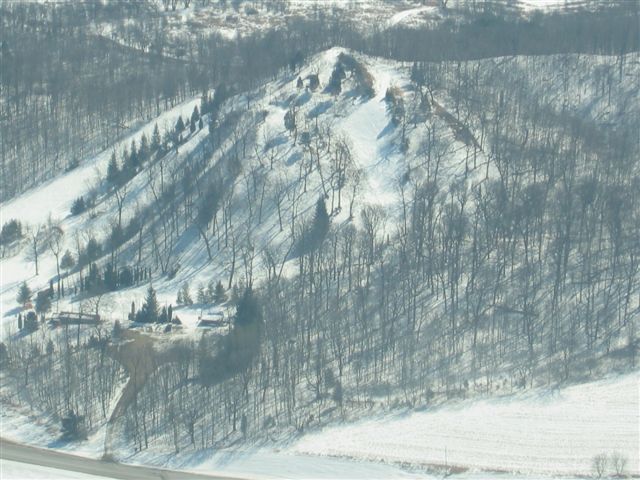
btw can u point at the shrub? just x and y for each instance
(11, 231)
(78, 206)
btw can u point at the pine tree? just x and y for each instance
(321, 220)
(179, 125)
(149, 312)
(290, 120)
(156, 140)
(125, 158)
(43, 302)
(195, 116)
(219, 294)
(67, 262)
(133, 161)
(78, 206)
(143, 152)
(113, 172)
(335, 82)
(211, 288)
(24, 294)
(248, 311)
(201, 296)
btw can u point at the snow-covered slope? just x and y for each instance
(275, 158)
(275, 155)
(557, 432)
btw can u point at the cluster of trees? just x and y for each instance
(212, 294)
(150, 312)
(73, 377)
(110, 279)
(11, 235)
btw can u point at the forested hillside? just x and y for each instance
(365, 227)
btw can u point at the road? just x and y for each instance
(63, 461)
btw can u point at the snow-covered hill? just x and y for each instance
(406, 170)
(273, 156)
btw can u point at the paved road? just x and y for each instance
(64, 461)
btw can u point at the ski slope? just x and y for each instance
(545, 432)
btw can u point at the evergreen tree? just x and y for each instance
(179, 125)
(156, 140)
(290, 120)
(78, 206)
(211, 288)
(24, 294)
(200, 124)
(43, 302)
(73, 427)
(125, 158)
(67, 262)
(133, 161)
(335, 82)
(248, 311)
(243, 342)
(205, 106)
(195, 116)
(321, 220)
(201, 296)
(219, 294)
(143, 151)
(93, 250)
(113, 172)
(149, 312)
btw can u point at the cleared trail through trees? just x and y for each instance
(138, 358)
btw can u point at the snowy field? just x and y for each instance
(538, 432)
